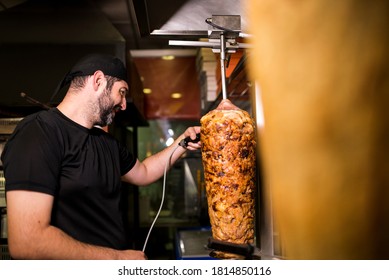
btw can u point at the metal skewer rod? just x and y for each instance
(222, 64)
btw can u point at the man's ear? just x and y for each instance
(99, 81)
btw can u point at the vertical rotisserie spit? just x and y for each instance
(228, 154)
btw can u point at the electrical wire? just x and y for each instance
(162, 199)
(209, 21)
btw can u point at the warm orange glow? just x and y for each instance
(176, 95)
(147, 90)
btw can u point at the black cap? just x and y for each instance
(88, 65)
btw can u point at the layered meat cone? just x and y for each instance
(229, 160)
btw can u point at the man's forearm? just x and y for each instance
(156, 163)
(52, 243)
(152, 168)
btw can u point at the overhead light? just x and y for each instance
(147, 90)
(168, 57)
(176, 95)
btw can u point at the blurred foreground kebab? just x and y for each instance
(229, 160)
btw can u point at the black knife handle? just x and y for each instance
(184, 142)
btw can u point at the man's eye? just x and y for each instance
(123, 91)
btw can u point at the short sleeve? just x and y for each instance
(127, 160)
(31, 158)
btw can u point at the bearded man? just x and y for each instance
(64, 173)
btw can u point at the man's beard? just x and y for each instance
(107, 109)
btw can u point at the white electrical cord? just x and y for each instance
(162, 199)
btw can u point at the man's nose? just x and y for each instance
(123, 104)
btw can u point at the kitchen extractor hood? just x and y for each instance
(183, 18)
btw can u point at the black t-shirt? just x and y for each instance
(80, 167)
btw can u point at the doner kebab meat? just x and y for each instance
(228, 155)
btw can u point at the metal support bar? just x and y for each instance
(199, 44)
(214, 45)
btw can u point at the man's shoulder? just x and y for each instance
(40, 116)
(45, 121)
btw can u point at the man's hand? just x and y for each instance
(192, 132)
